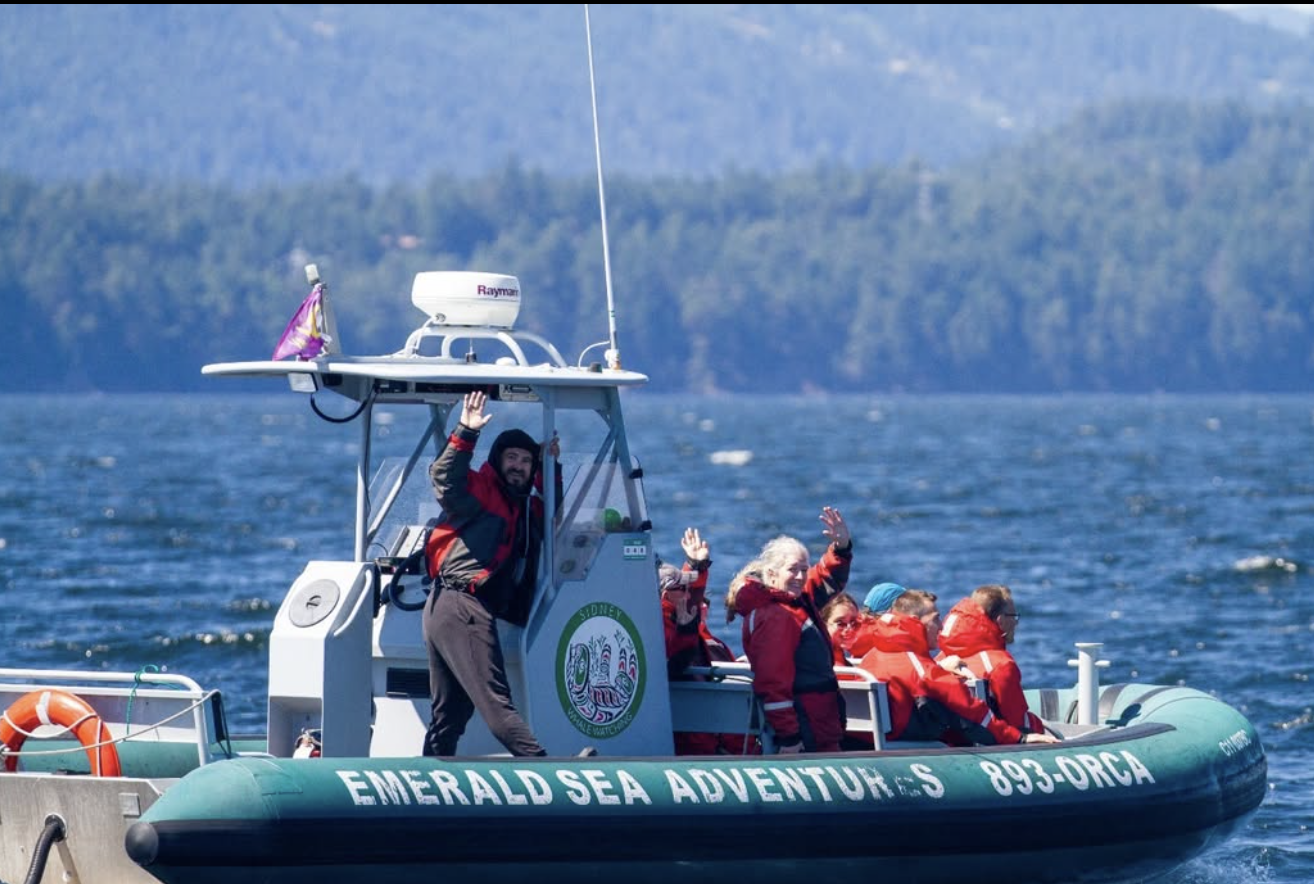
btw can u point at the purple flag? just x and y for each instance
(304, 336)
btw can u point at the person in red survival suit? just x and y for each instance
(843, 619)
(483, 558)
(878, 601)
(787, 644)
(927, 701)
(978, 631)
(690, 642)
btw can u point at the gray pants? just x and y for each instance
(467, 672)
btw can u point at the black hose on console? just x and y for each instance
(54, 831)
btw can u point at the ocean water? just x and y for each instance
(1179, 531)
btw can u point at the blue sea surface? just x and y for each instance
(1179, 531)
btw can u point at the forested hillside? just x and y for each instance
(272, 94)
(1144, 246)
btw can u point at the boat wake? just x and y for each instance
(1233, 864)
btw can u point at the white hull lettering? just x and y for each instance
(762, 781)
(602, 788)
(1097, 774)
(719, 785)
(1073, 772)
(538, 789)
(1082, 771)
(419, 787)
(448, 787)
(1019, 775)
(575, 790)
(1234, 743)
(735, 780)
(1111, 762)
(876, 784)
(711, 790)
(481, 792)
(507, 794)
(931, 783)
(817, 775)
(791, 781)
(846, 779)
(680, 790)
(632, 789)
(388, 786)
(358, 791)
(1044, 782)
(1139, 771)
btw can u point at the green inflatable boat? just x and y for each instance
(115, 779)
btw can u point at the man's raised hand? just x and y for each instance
(472, 411)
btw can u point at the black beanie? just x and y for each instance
(512, 439)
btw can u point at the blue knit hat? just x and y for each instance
(880, 597)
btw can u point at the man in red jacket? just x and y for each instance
(978, 630)
(928, 702)
(483, 557)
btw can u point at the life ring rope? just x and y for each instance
(54, 707)
(67, 728)
(9, 748)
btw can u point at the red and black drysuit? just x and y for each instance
(927, 701)
(979, 642)
(693, 644)
(483, 558)
(789, 649)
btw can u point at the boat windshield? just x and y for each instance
(599, 498)
(594, 500)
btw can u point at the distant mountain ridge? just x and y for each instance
(1292, 18)
(256, 95)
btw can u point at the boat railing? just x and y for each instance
(450, 334)
(723, 701)
(716, 697)
(135, 678)
(155, 707)
(1088, 680)
(866, 703)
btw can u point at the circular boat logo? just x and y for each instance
(600, 673)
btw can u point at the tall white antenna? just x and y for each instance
(613, 353)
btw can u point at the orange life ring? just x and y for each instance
(48, 706)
